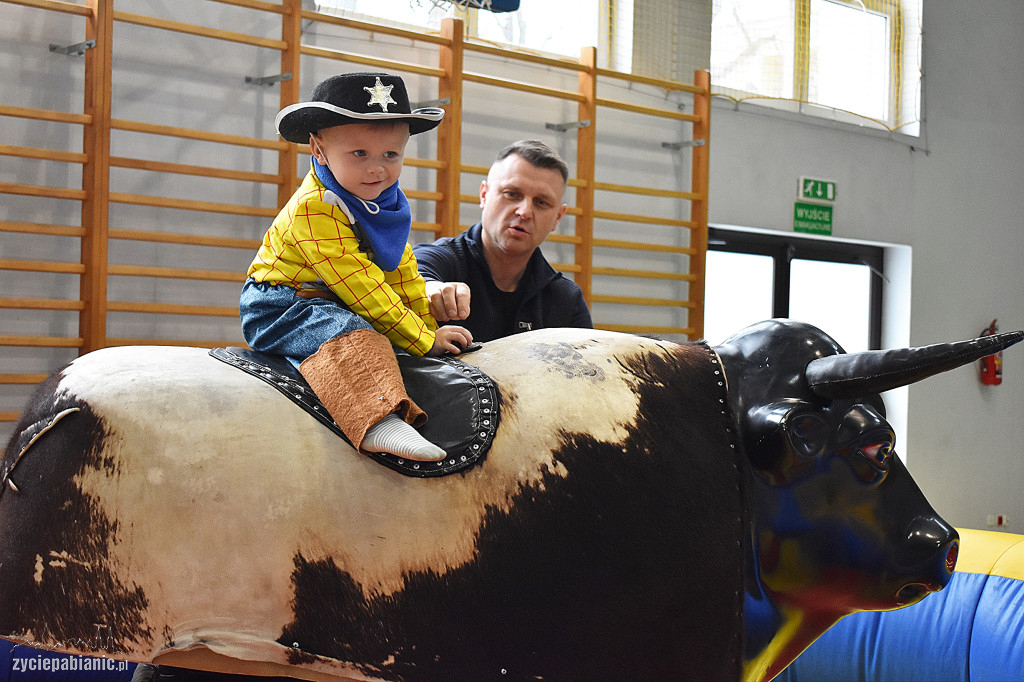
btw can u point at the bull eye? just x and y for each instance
(808, 434)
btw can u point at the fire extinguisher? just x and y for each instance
(992, 365)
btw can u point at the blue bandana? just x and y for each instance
(387, 228)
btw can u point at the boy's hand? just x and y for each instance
(450, 339)
(448, 300)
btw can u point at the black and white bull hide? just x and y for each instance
(647, 511)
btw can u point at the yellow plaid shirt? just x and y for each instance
(312, 239)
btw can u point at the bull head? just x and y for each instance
(838, 525)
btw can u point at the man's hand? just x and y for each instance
(450, 339)
(448, 300)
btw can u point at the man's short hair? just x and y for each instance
(538, 154)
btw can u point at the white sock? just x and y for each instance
(392, 435)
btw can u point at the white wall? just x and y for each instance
(955, 200)
(958, 203)
(968, 244)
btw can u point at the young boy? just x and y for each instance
(334, 286)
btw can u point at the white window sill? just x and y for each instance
(823, 117)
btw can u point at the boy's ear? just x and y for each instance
(315, 149)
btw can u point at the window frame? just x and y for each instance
(782, 248)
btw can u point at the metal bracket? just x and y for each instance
(676, 146)
(268, 80)
(431, 103)
(562, 127)
(76, 50)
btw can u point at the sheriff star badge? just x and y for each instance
(380, 94)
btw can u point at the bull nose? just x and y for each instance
(927, 535)
(929, 555)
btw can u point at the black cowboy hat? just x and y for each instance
(354, 98)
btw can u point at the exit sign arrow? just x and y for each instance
(814, 189)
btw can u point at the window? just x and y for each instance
(853, 60)
(851, 55)
(836, 286)
(562, 28)
(664, 39)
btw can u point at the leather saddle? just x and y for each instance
(461, 402)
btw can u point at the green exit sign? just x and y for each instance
(812, 189)
(812, 218)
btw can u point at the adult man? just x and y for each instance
(497, 263)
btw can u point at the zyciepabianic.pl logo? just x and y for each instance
(67, 663)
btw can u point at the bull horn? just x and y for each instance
(854, 375)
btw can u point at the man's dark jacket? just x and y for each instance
(545, 297)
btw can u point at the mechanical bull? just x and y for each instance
(646, 511)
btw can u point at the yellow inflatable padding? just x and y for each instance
(986, 551)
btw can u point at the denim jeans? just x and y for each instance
(275, 320)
